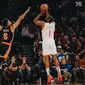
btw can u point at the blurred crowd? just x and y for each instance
(69, 16)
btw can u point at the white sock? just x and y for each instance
(58, 69)
(48, 71)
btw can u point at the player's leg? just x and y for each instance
(46, 62)
(56, 62)
(54, 57)
(46, 52)
(47, 67)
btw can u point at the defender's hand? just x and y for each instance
(28, 9)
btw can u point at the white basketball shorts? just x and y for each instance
(49, 47)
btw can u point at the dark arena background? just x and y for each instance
(69, 36)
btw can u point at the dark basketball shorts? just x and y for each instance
(3, 49)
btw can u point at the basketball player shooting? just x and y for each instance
(48, 44)
(7, 34)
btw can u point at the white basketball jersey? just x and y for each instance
(48, 31)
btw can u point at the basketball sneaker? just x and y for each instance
(49, 78)
(60, 79)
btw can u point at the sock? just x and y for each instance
(58, 69)
(48, 71)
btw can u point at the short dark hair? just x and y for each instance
(4, 22)
(50, 18)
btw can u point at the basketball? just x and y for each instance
(44, 7)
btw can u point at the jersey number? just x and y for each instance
(5, 36)
(49, 33)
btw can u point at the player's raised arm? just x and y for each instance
(44, 10)
(15, 25)
(47, 15)
(37, 21)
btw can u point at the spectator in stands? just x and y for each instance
(66, 76)
(76, 69)
(82, 53)
(66, 46)
(66, 70)
(24, 71)
(4, 77)
(13, 70)
(59, 41)
(61, 55)
(59, 47)
(78, 46)
(82, 66)
(68, 59)
(65, 65)
(82, 62)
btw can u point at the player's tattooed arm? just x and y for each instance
(37, 21)
(16, 24)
